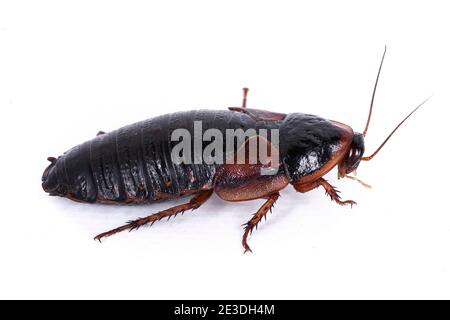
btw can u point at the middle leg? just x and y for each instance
(257, 217)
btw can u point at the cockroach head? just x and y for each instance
(353, 157)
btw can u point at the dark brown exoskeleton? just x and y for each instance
(134, 164)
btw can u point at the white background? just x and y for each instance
(69, 69)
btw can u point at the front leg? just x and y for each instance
(334, 193)
(329, 190)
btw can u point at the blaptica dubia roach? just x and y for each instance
(136, 163)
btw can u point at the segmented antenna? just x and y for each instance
(373, 93)
(395, 129)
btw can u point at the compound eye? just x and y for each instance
(354, 158)
(357, 153)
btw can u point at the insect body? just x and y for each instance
(134, 163)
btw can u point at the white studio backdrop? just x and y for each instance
(70, 69)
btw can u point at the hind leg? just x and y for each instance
(195, 203)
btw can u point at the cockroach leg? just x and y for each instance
(100, 133)
(244, 99)
(194, 203)
(334, 193)
(329, 189)
(258, 115)
(257, 217)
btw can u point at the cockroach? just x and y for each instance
(134, 164)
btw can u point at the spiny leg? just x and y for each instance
(334, 193)
(194, 203)
(329, 190)
(257, 217)
(244, 99)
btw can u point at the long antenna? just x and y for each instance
(373, 93)
(390, 135)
